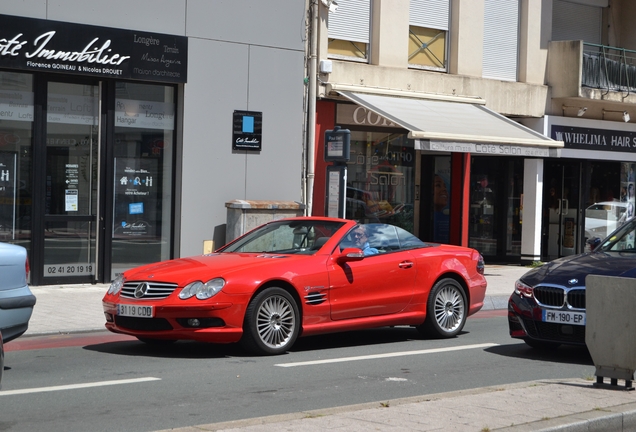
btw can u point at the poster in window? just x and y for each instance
(137, 196)
(7, 193)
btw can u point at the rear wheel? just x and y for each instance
(271, 323)
(446, 310)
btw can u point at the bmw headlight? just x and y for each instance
(201, 290)
(116, 285)
(523, 289)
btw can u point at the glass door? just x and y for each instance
(562, 190)
(71, 192)
(143, 171)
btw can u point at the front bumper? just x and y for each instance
(219, 322)
(524, 322)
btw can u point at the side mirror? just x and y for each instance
(350, 254)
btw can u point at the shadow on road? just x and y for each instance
(563, 354)
(196, 350)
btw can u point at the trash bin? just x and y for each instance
(243, 215)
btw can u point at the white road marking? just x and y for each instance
(76, 386)
(387, 355)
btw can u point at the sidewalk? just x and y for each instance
(550, 405)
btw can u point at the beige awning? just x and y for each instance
(451, 126)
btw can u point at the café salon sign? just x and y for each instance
(53, 46)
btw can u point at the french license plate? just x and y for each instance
(129, 310)
(563, 317)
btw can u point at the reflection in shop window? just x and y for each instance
(144, 147)
(16, 125)
(380, 179)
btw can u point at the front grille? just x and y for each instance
(554, 296)
(145, 324)
(154, 290)
(550, 296)
(576, 298)
(555, 332)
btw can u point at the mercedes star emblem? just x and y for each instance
(141, 290)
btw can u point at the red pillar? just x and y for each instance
(325, 120)
(460, 201)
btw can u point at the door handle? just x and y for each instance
(567, 207)
(405, 264)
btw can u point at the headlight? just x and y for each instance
(116, 285)
(202, 290)
(523, 289)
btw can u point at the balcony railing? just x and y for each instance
(609, 68)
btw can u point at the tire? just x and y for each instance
(156, 342)
(541, 345)
(446, 310)
(271, 323)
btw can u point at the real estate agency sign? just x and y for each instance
(52, 46)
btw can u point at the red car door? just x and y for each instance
(377, 285)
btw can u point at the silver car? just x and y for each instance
(1, 360)
(16, 299)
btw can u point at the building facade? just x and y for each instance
(502, 125)
(127, 125)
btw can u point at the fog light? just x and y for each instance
(193, 322)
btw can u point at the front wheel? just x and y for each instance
(446, 310)
(271, 323)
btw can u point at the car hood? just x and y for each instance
(204, 267)
(562, 271)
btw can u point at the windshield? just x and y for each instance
(286, 237)
(622, 240)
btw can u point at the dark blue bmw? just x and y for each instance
(547, 307)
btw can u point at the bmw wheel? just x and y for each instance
(446, 310)
(271, 323)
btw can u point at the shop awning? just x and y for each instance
(444, 125)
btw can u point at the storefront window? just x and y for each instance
(16, 125)
(70, 202)
(441, 199)
(380, 179)
(611, 198)
(496, 206)
(144, 147)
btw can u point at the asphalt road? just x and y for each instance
(104, 382)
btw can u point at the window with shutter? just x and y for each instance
(428, 33)
(349, 30)
(501, 39)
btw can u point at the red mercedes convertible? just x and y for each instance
(299, 277)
